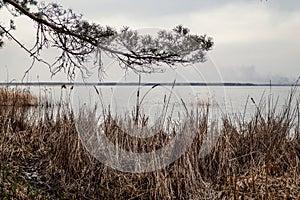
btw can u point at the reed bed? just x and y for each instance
(17, 97)
(42, 156)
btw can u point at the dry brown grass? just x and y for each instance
(17, 97)
(42, 158)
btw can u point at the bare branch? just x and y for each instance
(80, 41)
(23, 47)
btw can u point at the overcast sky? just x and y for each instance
(255, 41)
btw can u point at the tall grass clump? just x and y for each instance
(43, 157)
(17, 97)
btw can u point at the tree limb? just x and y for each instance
(79, 40)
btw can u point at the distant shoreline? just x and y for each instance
(142, 84)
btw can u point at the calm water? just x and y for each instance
(232, 101)
(175, 101)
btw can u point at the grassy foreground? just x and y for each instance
(42, 157)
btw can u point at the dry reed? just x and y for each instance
(42, 157)
(17, 97)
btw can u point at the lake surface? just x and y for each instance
(175, 101)
(155, 100)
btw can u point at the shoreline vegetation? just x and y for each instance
(42, 156)
(17, 97)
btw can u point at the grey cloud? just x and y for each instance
(156, 8)
(141, 8)
(260, 41)
(287, 5)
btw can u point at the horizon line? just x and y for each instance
(144, 84)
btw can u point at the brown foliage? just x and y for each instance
(42, 158)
